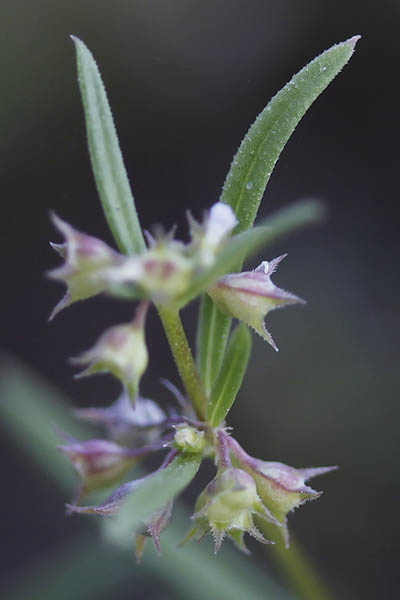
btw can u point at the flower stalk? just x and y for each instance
(183, 357)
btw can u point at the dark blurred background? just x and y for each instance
(185, 79)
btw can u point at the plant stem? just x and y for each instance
(222, 448)
(295, 565)
(183, 356)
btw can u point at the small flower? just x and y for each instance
(98, 463)
(251, 295)
(226, 506)
(161, 273)
(133, 425)
(188, 439)
(164, 272)
(87, 261)
(122, 351)
(282, 488)
(208, 237)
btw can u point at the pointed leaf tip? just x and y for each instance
(353, 41)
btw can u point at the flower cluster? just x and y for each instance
(245, 491)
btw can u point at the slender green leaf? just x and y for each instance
(154, 493)
(107, 162)
(213, 325)
(260, 149)
(231, 375)
(251, 169)
(251, 241)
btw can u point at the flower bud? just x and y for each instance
(281, 488)
(208, 237)
(188, 439)
(98, 463)
(161, 273)
(251, 295)
(122, 351)
(164, 272)
(87, 260)
(226, 506)
(133, 425)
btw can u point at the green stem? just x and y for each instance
(183, 356)
(295, 565)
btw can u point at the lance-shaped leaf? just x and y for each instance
(135, 501)
(260, 149)
(251, 169)
(230, 376)
(212, 336)
(159, 489)
(105, 154)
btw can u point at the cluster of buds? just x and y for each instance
(162, 273)
(244, 489)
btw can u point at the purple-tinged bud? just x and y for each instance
(162, 273)
(251, 295)
(282, 488)
(87, 260)
(98, 463)
(122, 351)
(133, 425)
(208, 237)
(155, 523)
(227, 506)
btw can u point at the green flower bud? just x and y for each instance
(226, 506)
(87, 261)
(122, 351)
(188, 439)
(165, 271)
(161, 273)
(281, 488)
(251, 295)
